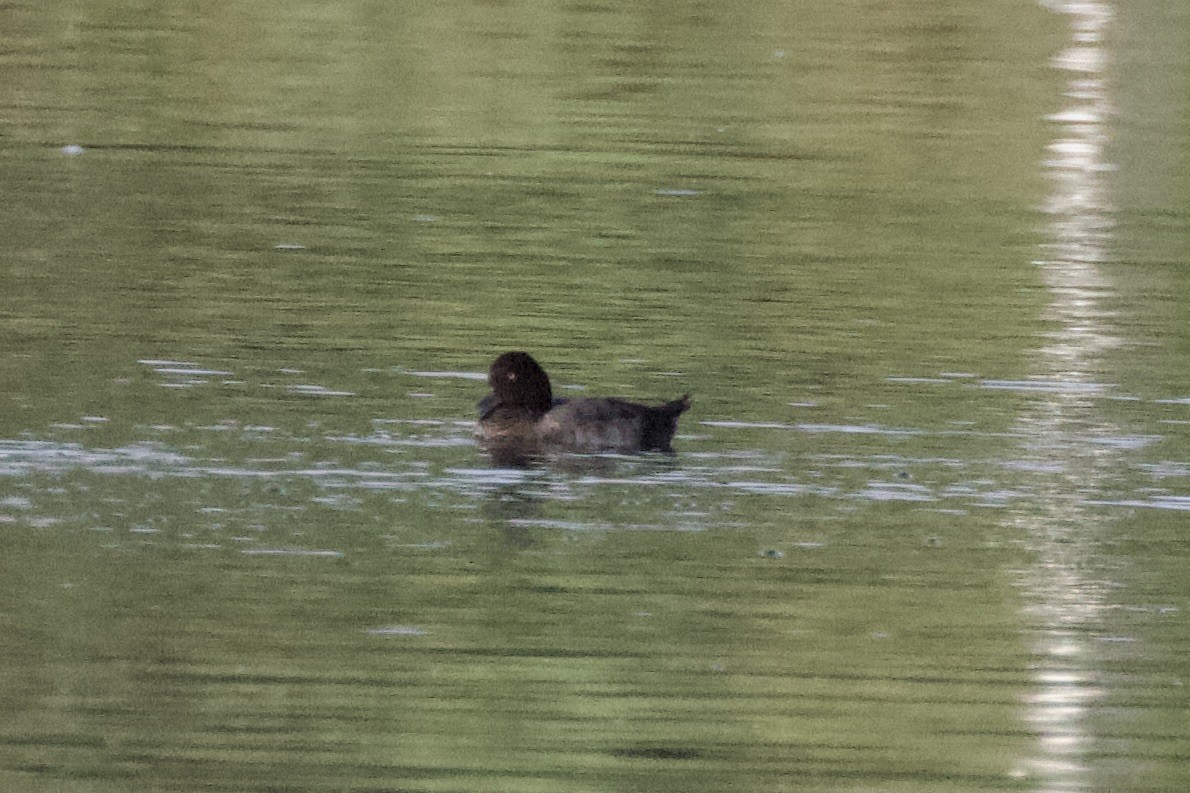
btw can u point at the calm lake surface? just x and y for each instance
(924, 267)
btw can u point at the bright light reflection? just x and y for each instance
(1063, 602)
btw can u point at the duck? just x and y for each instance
(522, 419)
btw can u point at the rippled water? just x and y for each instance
(922, 267)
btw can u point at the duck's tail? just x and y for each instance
(678, 406)
(660, 424)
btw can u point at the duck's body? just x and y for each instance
(521, 418)
(610, 424)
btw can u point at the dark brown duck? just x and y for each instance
(522, 415)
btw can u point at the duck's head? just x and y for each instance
(519, 381)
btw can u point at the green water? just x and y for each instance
(923, 267)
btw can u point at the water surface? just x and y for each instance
(923, 268)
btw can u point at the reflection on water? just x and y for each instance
(1064, 595)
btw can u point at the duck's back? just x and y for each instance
(610, 424)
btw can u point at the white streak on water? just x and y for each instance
(857, 429)
(397, 630)
(1048, 385)
(324, 553)
(317, 390)
(448, 375)
(748, 425)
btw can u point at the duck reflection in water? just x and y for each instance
(521, 421)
